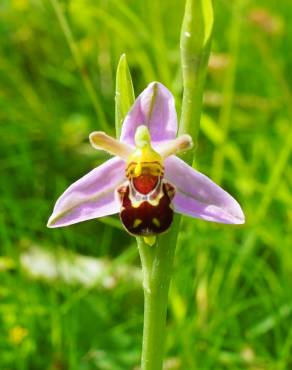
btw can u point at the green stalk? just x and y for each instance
(195, 46)
(156, 260)
(157, 267)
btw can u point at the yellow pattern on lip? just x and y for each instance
(144, 159)
(150, 240)
(136, 169)
(137, 222)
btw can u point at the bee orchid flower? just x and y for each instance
(145, 182)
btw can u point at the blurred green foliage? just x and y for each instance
(231, 297)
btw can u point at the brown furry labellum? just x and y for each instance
(146, 208)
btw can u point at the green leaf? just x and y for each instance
(125, 95)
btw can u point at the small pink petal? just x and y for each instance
(91, 196)
(200, 197)
(155, 108)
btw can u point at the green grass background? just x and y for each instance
(230, 303)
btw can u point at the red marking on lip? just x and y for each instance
(145, 183)
(146, 213)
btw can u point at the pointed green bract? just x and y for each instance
(195, 42)
(125, 95)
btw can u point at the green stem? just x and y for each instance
(157, 260)
(157, 267)
(195, 44)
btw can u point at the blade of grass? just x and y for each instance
(228, 91)
(80, 64)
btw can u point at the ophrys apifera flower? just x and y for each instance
(145, 182)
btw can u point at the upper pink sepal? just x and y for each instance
(154, 108)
